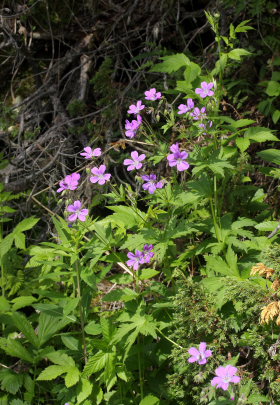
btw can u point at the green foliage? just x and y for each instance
(80, 325)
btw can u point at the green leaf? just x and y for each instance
(24, 326)
(4, 304)
(125, 294)
(84, 390)
(51, 372)
(236, 53)
(6, 244)
(61, 359)
(267, 226)
(19, 239)
(273, 89)
(70, 342)
(192, 71)
(270, 155)
(276, 116)
(94, 364)
(150, 400)
(14, 348)
(93, 328)
(107, 328)
(26, 224)
(256, 398)
(260, 134)
(125, 216)
(11, 382)
(49, 325)
(242, 123)
(22, 301)
(145, 274)
(242, 143)
(171, 63)
(62, 230)
(72, 376)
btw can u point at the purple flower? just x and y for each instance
(134, 163)
(183, 108)
(200, 355)
(147, 253)
(132, 127)
(177, 158)
(135, 109)
(198, 114)
(152, 95)
(140, 257)
(90, 153)
(205, 89)
(78, 213)
(99, 175)
(152, 183)
(135, 259)
(69, 183)
(225, 375)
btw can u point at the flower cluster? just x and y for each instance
(69, 183)
(196, 113)
(175, 159)
(224, 375)
(151, 183)
(132, 127)
(140, 257)
(178, 158)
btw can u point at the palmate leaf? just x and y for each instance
(171, 63)
(49, 325)
(260, 134)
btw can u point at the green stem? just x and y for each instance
(170, 340)
(81, 311)
(140, 369)
(217, 229)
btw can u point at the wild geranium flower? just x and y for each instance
(183, 108)
(147, 253)
(200, 355)
(205, 89)
(135, 259)
(198, 114)
(135, 162)
(99, 175)
(152, 95)
(177, 158)
(225, 376)
(69, 183)
(140, 257)
(132, 127)
(90, 153)
(135, 109)
(152, 183)
(78, 212)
